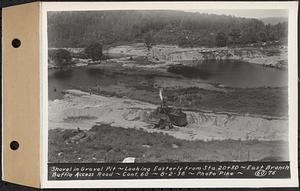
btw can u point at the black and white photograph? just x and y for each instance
(168, 87)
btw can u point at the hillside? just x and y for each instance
(186, 29)
(274, 20)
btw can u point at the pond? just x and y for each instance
(232, 73)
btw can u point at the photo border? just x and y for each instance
(175, 183)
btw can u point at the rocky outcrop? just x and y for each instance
(267, 56)
(274, 58)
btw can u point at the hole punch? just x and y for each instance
(16, 43)
(14, 145)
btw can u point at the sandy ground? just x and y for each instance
(169, 53)
(81, 110)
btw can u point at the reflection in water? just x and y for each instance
(229, 73)
(232, 73)
(189, 72)
(94, 71)
(63, 74)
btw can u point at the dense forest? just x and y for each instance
(186, 29)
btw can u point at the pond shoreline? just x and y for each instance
(267, 56)
(117, 80)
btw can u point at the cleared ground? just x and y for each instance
(81, 110)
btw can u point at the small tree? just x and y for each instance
(235, 34)
(60, 57)
(221, 39)
(262, 36)
(94, 51)
(148, 41)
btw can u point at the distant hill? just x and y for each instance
(274, 20)
(187, 29)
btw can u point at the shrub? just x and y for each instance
(94, 51)
(221, 39)
(60, 57)
(148, 41)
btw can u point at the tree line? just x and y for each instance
(186, 29)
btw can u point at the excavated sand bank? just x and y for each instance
(81, 110)
(272, 57)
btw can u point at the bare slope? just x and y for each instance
(80, 110)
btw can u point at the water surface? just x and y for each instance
(227, 73)
(233, 73)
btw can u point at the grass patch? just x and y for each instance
(113, 144)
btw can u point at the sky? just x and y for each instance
(257, 13)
